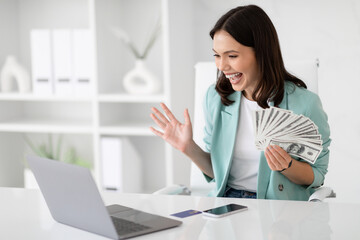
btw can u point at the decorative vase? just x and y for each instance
(11, 73)
(140, 80)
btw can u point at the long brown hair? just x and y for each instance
(251, 27)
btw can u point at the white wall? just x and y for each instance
(330, 31)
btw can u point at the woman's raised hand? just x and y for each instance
(177, 134)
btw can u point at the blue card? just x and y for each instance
(186, 213)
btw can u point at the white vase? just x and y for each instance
(140, 80)
(11, 73)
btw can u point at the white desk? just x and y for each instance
(24, 215)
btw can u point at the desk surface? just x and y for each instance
(24, 215)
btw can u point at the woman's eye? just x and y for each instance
(216, 55)
(232, 56)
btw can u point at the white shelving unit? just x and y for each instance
(110, 111)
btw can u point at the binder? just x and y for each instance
(121, 165)
(62, 61)
(41, 61)
(83, 57)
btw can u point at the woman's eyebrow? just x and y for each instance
(229, 51)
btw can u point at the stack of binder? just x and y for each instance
(62, 61)
(121, 165)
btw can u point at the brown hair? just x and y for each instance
(251, 27)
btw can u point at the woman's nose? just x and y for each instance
(222, 65)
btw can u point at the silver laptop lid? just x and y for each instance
(72, 196)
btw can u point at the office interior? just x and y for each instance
(105, 119)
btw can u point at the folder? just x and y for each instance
(121, 165)
(41, 61)
(83, 57)
(62, 61)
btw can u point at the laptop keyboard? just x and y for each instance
(123, 226)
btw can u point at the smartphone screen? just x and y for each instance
(224, 210)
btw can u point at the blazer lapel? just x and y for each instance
(225, 140)
(233, 109)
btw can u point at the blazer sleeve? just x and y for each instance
(209, 103)
(316, 113)
(208, 116)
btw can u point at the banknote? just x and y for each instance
(296, 134)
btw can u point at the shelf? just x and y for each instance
(126, 129)
(110, 110)
(126, 98)
(131, 98)
(45, 126)
(44, 98)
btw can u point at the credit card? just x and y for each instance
(186, 213)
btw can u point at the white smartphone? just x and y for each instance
(224, 210)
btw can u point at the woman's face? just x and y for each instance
(237, 62)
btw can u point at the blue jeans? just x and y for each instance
(233, 193)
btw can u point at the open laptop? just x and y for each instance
(73, 199)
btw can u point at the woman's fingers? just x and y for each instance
(158, 133)
(282, 155)
(160, 117)
(275, 160)
(272, 161)
(168, 112)
(277, 157)
(161, 124)
(187, 117)
(171, 130)
(281, 152)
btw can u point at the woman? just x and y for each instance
(252, 77)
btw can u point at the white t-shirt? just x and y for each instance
(245, 162)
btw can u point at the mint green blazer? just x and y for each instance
(220, 133)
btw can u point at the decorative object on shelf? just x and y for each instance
(46, 150)
(12, 74)
(140, 80)
(71, 156)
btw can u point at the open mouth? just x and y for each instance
(234, 78)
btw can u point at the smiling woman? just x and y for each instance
(237, 63)
(250, 31)
(252, 76)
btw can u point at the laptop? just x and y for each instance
(73, 199)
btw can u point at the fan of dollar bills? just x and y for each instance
(296, 134)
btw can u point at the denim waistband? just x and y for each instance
(234, 193)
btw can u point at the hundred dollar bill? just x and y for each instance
(307, 151)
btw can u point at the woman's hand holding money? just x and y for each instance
(277, 158)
